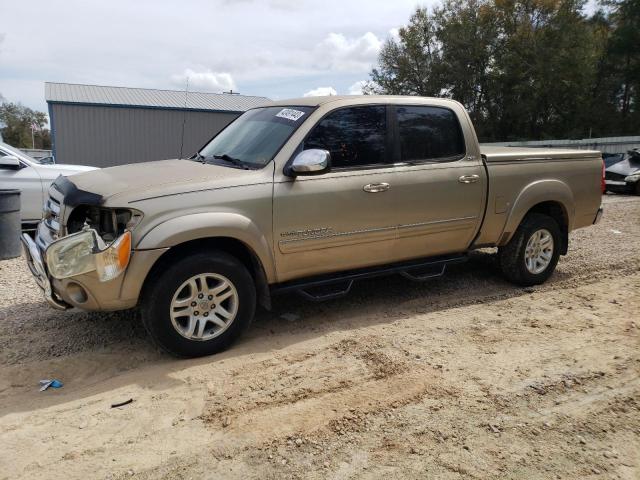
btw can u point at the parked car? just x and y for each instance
(49, 160)
(32, 178)
(305, 195)
(622, 173)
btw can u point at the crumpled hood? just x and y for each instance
(627, 166)
(140, 180)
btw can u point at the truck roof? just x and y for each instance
(317, 101)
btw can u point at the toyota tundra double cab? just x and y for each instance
(308, 196)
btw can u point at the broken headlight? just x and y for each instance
(99, 239)
(634, 177)
(85, 252)
(109, 223)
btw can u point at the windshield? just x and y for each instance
(9, 150)
(256, 136)
(611, 159)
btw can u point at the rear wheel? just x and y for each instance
(532, 254)
(200, 304)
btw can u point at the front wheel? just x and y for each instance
(532, 254)
(200, 304)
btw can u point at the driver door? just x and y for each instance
(345, 218)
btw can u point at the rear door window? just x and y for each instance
(429, 134)
(355, 136)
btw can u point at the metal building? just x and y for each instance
(107, 126)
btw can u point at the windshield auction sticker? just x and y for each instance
(290, 114)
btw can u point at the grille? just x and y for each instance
(52, 215)
(53, 212)
(52, 226)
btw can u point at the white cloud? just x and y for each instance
(348, 54)
(394, 34)
(294, 54)
(321, 92)
(204, 80)
(356, 88)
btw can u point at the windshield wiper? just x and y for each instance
(236, 161)
(198, 158)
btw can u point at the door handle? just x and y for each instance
(376, 187)
(469, 178)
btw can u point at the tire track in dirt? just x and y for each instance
(366, 376)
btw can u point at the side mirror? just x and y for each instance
(310, 162)
(9, 162)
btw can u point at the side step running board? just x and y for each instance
(323, 293)
(438, 271)
(328, 287)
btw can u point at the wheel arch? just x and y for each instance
(549, 197)
(229, 245)
(228, 232)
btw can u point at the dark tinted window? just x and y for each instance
(429, 133)
(355, 136)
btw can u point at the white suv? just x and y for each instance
(18, 170)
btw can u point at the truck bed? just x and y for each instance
(510, 154)
(570, 177)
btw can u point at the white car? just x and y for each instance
(18, 170)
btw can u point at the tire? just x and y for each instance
(195, 331)
(512, 256)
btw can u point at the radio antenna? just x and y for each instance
(184, 116)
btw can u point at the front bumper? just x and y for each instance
(86, 291)
(619, 186)
(38, 269)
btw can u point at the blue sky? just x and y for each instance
(275, 48)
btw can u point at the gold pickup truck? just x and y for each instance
(305, 195)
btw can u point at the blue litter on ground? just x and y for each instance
(44, 384)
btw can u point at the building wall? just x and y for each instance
(106, 136)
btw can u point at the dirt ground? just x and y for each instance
(465, 376)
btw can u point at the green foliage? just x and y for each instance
(15, 123)
(619, 67)
(525, 69)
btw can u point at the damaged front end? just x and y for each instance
(78, 237)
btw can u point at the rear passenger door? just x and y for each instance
(439, 185)
(345, 218)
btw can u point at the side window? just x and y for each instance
(429, 133)
(355, 136)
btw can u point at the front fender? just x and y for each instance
(538, 192)
(210, 225)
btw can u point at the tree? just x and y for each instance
(525, 69)
(413, 64)
(467, 33)
(618, 82)
(16, 121)
(544, 65)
